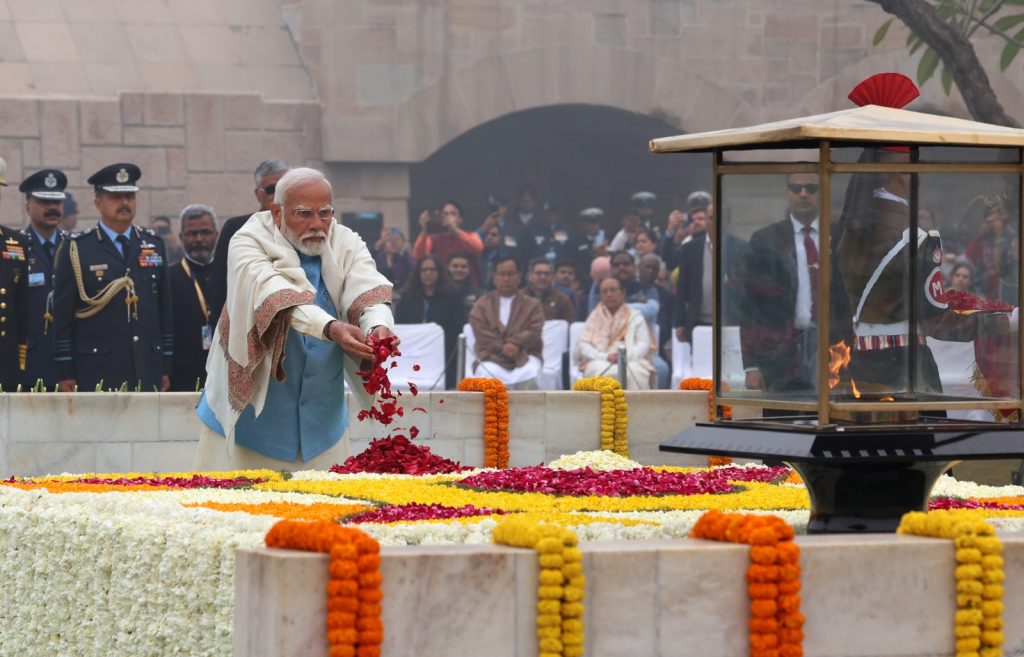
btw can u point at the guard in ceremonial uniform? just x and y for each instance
(13, 291)
(112, 298)
(44, 205)
(13, 275)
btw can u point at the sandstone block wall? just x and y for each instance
(191, 147)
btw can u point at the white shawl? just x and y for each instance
(268, 293)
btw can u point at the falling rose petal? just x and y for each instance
(413, 389)
(415, 368)
(419, 409)
(413, 432)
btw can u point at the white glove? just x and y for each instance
(1015, 320)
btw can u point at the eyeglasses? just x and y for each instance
(423, 269)
(796, 188)
(270, 189)
(325, 214)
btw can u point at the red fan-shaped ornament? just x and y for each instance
(885, 89)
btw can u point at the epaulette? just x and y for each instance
(934, 233)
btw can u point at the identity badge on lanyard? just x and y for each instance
(207, 330)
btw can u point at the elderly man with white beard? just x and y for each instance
(303, 295)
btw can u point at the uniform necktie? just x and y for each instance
(123, 241)
(812, 269)
(48, 248)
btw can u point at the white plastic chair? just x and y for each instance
(470, 356)
(423, 345)
(556, 342)
(955, 361)
(682, 361)
(575, 330)
(732, 355)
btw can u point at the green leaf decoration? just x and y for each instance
(926, 67)
(881, 32)
(947, 80)
(917, 46)
(1010, 51)
(1007, 22)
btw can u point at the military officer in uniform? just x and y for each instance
(13, 297)
(112, 297)
(44, 205)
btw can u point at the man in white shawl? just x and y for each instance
(611, 325)
(303, 293)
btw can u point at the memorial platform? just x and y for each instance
(48, 433)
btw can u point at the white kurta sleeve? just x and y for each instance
(310, 320)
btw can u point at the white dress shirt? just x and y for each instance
(802, 318)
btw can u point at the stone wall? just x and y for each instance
(875, 595)
(191, 147)
(401, 79)
(50, 433)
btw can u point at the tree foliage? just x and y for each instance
(941, 31)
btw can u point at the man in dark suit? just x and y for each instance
(779, 329)
(190, 290)
(693, 305)
(44, 205)
(267, 174)
(13, 299)
(112, 296)
(781, 284)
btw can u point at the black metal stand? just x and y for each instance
(859, 479)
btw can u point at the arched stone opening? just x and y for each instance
(576, 155)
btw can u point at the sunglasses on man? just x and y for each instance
(796, 188)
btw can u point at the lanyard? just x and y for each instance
(199, 290)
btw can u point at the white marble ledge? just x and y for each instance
(872, 595)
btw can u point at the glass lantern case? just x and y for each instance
(868, 280)
(865, 286)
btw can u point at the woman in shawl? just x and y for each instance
(611, 325)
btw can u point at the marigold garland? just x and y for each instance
(354, 626)
(773, 578)
(709, 386)
(561, 583)
(614, 412)
(979, 577)
(495, 419)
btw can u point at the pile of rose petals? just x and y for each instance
(964, 301)
(415, 512)
(397, 455)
